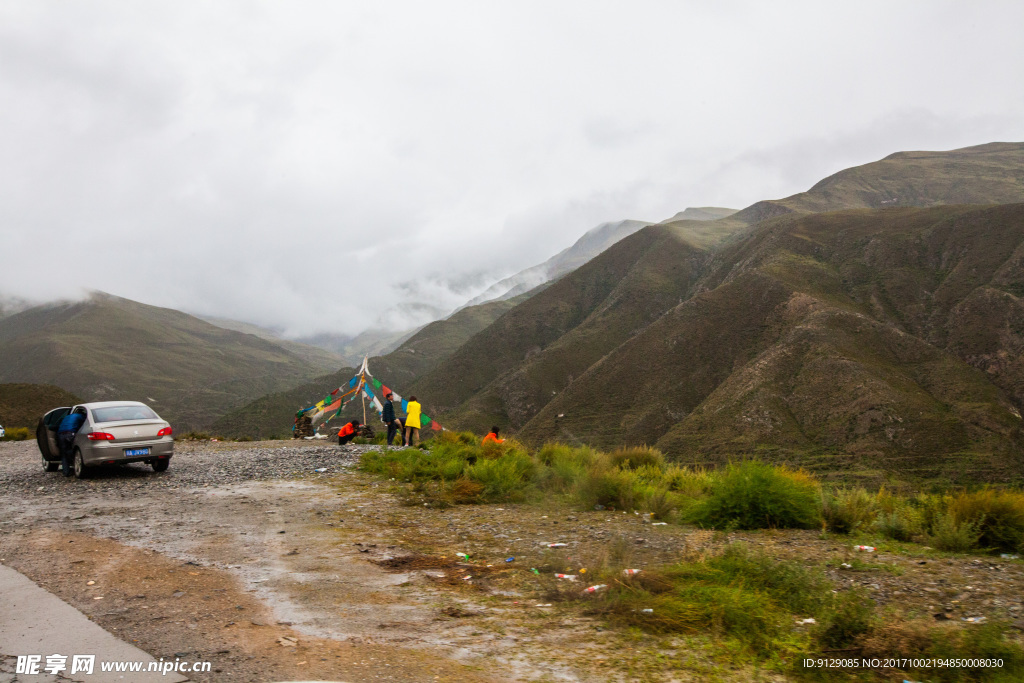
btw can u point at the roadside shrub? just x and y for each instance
(847, 510)
(505, 477)
(949, 534)
(749, 596)
(453, 437)
(755, 495)
(16, 434)
(899, 525)
(998, 516)
(564, 466)
(925, 640)
(636, 457)
(662, 503)
(847, 617)
(612, 488)
(692, 483)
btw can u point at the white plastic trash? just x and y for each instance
(557, 545)
(865, 548)
(594, 589)
(631, 572)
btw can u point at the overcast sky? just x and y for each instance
(310, 164)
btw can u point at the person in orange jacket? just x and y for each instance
(348, 432)
(493, 436)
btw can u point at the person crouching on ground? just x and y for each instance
(348, 432)
(493, 436)
(66, 432)
(412, 422)
(388, 417)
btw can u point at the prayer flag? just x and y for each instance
(352, 382)
(385, 389)
(436, 427)
(405, 405)
(376, 383)
(426, 420)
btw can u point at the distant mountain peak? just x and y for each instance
(701, 213)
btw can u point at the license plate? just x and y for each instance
(136, 451)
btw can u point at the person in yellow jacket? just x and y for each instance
(413, 410)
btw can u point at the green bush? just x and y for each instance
(754, 495)
(749, 596)
(949, 534)
(16, 434)
(997, 515)
(636, 457)
(685, 481)
(847, 510)
(899, 525)
(847, 617)
(504, 478)
(924, 640)
(611, 488)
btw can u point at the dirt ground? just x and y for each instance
(298, 575)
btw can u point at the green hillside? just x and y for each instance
(860, 341)
(628, 350)
(273, 414)
(983, 174)
(508, 372)
(107, 348)
(320, 359)
(21, 405)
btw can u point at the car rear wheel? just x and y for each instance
(161, 464)
(50, 466)
(81, 471)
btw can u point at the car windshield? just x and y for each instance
(119, 413)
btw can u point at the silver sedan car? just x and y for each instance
(119, 432)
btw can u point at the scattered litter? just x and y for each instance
(557, 545)
(90, 583)
(659, 524)
(510, 559)
(974, 620)
(599, 507)
(844, 565)
(583, 570)
(1008, 556)
(631, 572)
(464, 556)
(865, 548)
(594, 589)
(545, 605)
(809, 620)
(320, 469)
(571, 577)
(98, 597)
(467, 577)
(647, 611)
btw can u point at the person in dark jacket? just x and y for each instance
(66, 431)
(389, 418)
(348, 432)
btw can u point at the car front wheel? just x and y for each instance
(81, 471)
(161, 464)
(50, 466)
